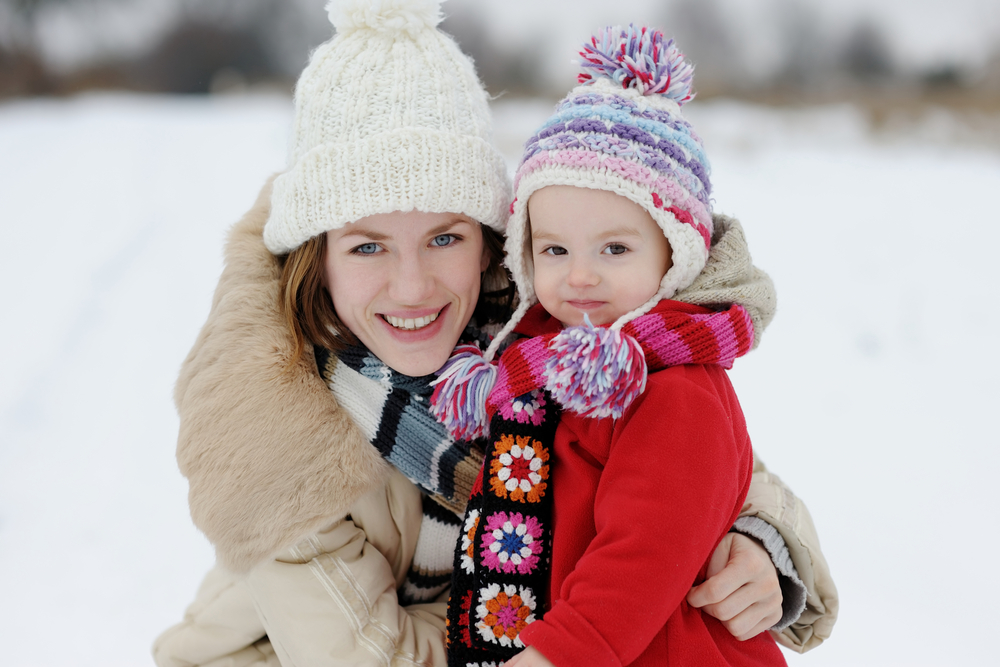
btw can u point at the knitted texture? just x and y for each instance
(389, 116)
(391, 410)
(622, 131)
(591, 371)
(731, 277)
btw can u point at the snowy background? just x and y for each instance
(870, 394)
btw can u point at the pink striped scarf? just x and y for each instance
(593, 371)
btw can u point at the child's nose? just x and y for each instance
(582, 274)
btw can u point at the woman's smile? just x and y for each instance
(410, 323)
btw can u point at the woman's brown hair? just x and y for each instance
(308, 307)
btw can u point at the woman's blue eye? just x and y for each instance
(616, 249)
(366, 249)
(443, 240)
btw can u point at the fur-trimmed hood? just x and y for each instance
(269, 454)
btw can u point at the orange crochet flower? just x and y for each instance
(519, 469)
(503, 612)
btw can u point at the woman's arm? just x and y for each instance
(334, 594)
(328, 600)
(221, 626)
(755, 584)
(781, 522)
(772, 501)
(743, 588)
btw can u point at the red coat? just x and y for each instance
(639, 505)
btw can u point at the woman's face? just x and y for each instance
(406, 284)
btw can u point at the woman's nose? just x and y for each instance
(411, 282)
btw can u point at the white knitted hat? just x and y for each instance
(389, 116)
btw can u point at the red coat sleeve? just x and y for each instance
(677, 472)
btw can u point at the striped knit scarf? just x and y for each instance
(500, 578)
(391, 409)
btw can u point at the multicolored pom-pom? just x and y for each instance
(639, 58)
(595, 372)
(460, 393)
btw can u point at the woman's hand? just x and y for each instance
(742, 588)
(529, 657)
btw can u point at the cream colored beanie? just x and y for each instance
(389, 116)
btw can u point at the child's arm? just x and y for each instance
(670, 488)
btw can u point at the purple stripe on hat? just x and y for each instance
(618, 102)
(587, 125)
(634, 133)
(659, 130)
(681, 141)
(696, 167)
(700, 187)
(694, 185)
(551, 129)
(609, 144)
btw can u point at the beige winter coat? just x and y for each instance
(313, 530)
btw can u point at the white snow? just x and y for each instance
(870, 394)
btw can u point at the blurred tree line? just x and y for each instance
(217, 45)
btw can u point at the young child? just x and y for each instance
(618, 455)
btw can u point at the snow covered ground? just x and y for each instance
(870, 394)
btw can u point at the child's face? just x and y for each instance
(594, 252)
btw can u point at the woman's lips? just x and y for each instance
(408, 331)
(410, 323)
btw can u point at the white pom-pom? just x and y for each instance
(384, 15)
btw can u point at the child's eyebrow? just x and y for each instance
(623, 230)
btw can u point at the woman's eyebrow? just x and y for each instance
(369, 234)
(446, 226)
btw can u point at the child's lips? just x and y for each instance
(586, 304)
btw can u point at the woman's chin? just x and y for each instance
(418, 364)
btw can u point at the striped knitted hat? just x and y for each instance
(389, 116)
(621, 130)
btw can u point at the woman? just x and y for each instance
(331, 499)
